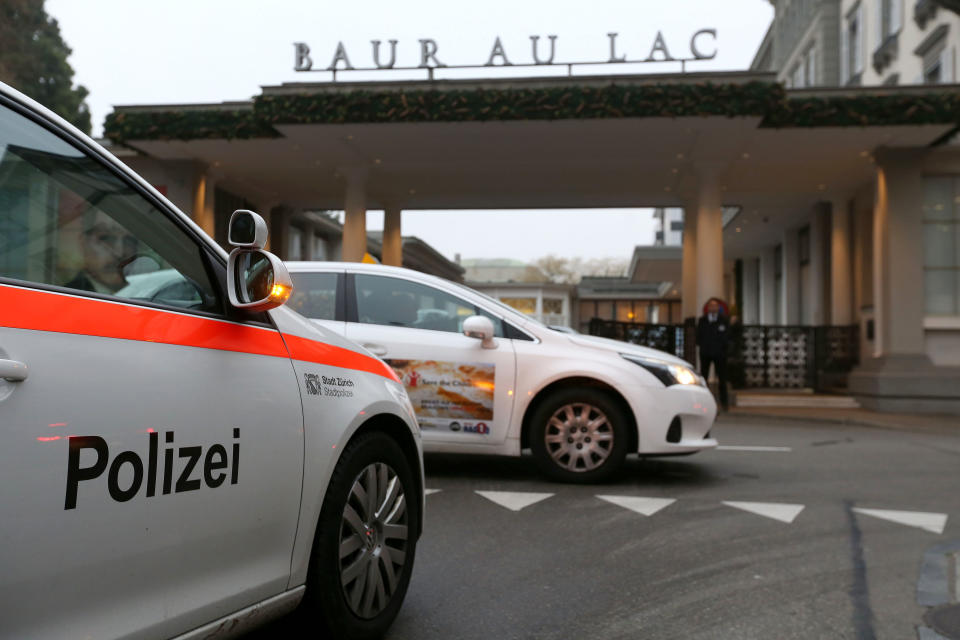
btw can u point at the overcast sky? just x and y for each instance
(183, 51)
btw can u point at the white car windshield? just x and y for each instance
(504, 306)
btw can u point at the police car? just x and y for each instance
(180, 455)
(487, 379)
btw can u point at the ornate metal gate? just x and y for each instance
(785, 357)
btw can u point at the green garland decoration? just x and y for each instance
(864, 111)
(186, 125)
(765, 100)
(553, 103)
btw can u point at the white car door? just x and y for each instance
(462, 392)
(151, 449)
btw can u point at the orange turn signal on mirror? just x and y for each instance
(280, 292)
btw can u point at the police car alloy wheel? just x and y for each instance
(366, 541)
(373, 540)
(579, 435)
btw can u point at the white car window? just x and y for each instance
(401, 303)
(67, 220)
(314, 295)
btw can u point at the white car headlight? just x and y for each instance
(669, 373)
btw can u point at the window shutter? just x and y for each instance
(858, 53)
(896, 15)
(946, 66)
(844, 53)
(877, 17)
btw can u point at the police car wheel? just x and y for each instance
(579, 435)
(366, 539)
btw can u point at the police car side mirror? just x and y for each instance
(481, 328)
(257, 280)
(247, 230)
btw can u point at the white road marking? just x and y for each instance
(514, 500)
(776, 510)
(644, 506)
(932, 522)
(745, 447)
(427, 492)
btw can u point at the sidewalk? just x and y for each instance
(861, 417)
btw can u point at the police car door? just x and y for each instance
(462, 392)
(151, 445)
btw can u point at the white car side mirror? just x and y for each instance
(481, 328)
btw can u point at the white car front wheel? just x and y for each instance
(579, 435)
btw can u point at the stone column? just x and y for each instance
(820, 265)
(688, 292)
(898, 256)
(768, 287)
(790, 303)
(392, 239)
(203, 193)
(900, 376)
(751, 291)
(279, 230)
(709, 241)
(841, 289)
(354, 245)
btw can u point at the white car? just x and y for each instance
(485, 378)
(180, 455)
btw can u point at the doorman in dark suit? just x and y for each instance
(713, 336)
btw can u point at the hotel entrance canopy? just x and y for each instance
(700, 141)
(621, 141)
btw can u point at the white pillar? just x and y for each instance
(768, 287)
(841, 289)
(790, 303)
(355, 216)
(709, 239)
(688, 292)
(898, 291)
(751, 291)
(820, 265)
(392, 238)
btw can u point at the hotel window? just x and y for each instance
(811, 67)
(937, 57)
(941, 243)
(796, 77)
(851, 37)
(889, 20)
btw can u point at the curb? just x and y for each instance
(838, 420)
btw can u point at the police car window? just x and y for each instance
(66, 220)
(314, 295)
(402, 303)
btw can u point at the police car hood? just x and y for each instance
(605, 344)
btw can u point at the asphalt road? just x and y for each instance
(573, 565)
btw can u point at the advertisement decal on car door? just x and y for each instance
(449, 395)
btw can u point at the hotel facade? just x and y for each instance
(820, 188)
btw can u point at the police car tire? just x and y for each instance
(325, 604)
(617, 424)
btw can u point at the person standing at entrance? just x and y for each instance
(713, 334)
